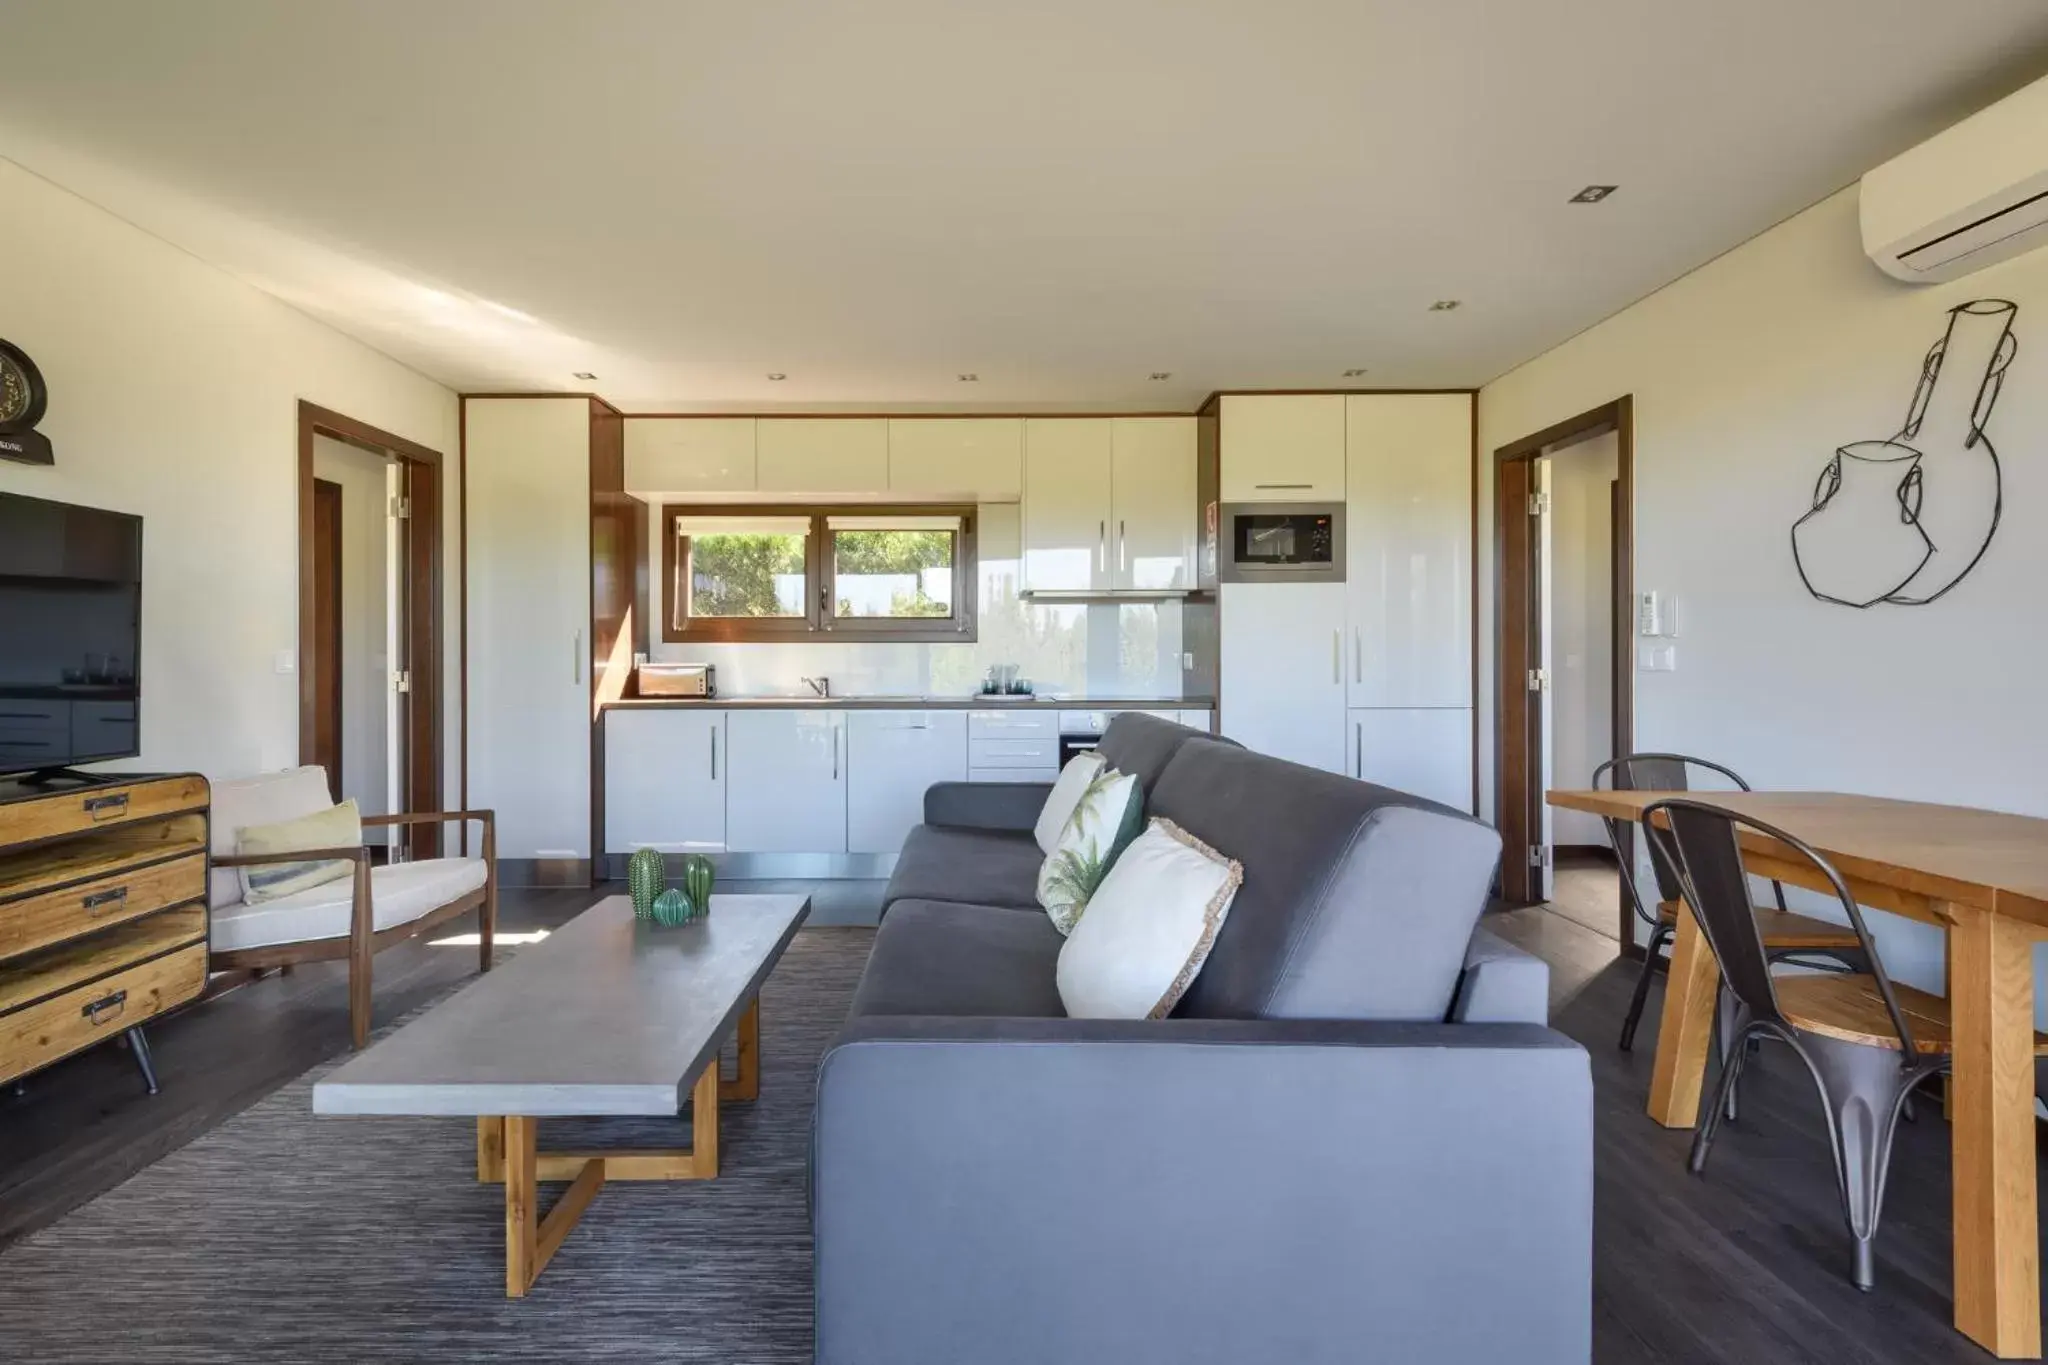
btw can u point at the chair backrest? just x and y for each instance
(1703, 843)
(266, 799)
(1653, 773)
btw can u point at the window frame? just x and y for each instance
(818, 623)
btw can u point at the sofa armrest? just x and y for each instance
(1501, 984)
(985, 805)
(1026, 1190)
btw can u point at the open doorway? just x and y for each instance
(370, 620)
(1564, 525)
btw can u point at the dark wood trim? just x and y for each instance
(325, 663)
(462, 606)
(376, 440)
(1518, 621)
(602, 402)
(817, 625)
(887, 416)
(614, 574)
(1473, 609)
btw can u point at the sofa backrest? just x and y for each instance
(266, 799)
(1143, 745)
(1358, 901)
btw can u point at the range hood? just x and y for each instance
(1057, 595)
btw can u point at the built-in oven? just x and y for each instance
(1080, 732)
(1282, 542)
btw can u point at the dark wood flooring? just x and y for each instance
(1746, 1265)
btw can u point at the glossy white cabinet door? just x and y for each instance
(688, 454)
(1425, 752)
(822, 454)
(785, 791)
(1067, 503)
(664, 780)
(528, 565)
(1152, 543)
(1282, 680)
(891, 757)
(1283, 448)
(978, 459)
(1408, 537)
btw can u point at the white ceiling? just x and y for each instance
(1061, 196)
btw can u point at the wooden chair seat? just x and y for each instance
(1847, 1006)
(1784, 929)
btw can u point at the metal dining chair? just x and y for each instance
(1787, 936)
(1866, 1040)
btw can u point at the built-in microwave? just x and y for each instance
(1282, 542)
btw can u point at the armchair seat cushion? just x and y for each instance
(399, 894)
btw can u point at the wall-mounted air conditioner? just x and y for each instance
(1972, 196)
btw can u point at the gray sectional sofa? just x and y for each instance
(1356, 1140)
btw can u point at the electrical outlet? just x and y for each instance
(1187, 661)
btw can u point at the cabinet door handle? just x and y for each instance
(111, 1007)
(1337, 657)
(106, 807)
(1357, 654)
(835, 753)
(714, 755)
(1121, 561)
(576, 658)
(1283, 485)
(1101, 544)
(100, 900)
(1358, 748)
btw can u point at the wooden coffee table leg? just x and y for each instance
(746, 1082)
(490, 1149)
(704, 1123)
(531, 1241)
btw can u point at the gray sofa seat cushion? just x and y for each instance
(975, 866)
(941, 958)
(1143, 745)
(1358, 901)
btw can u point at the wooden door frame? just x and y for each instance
(1517, 729)
(328, 670)
(421, 468)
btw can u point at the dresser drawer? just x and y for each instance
(53, 916)
(93, 808)
(40, 1034)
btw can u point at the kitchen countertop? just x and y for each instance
(916, 703)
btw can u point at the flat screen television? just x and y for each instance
(70, 635)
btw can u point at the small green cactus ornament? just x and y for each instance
(698, 874)
(671, 908)
(645, 874)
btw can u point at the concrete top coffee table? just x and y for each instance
(606, 1016)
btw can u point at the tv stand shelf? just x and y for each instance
(103, 914)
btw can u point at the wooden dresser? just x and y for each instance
(102, 914)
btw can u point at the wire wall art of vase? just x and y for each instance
(1905, 519)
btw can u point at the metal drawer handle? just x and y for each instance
(100, 900)
(110, 1008)
(103, 807)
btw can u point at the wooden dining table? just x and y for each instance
(1982, 876)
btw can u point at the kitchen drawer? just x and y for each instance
(93, 808)
(53, 916)
(41, 1033)
(1013, 774)
(1009, 724)
(1025, 752)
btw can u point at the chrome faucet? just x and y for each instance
(821, 686)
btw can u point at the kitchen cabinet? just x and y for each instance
(971, 459)
(664, 781)
(891, 758)
(1282, 670)
(1067, 503)
(1282, 447)
(1152, 502)
(1409, 549)
(822, 455)
(785, 786)
(1013, 746)
(688, 454)
(1423, 751)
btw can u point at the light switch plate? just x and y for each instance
(1187, 661)
(1656, 658)
(287, 661)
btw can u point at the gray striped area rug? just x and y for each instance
(279, 1236)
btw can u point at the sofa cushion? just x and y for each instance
(265, 799)
(1143, 745)
(976, 866)
(399, 894)
(1358, 901)
(941, 958)
(1064, 799)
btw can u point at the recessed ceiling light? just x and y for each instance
(1353, 374)
(1593, 194)
(778, 376)
(1158, 375)
(1443, 305)
(970, 379)
(585, 374)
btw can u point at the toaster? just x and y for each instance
(677, 680)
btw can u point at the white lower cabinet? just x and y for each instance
(891, 758)
(1424, 752)
(785, 789)
(664, 780)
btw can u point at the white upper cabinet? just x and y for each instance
(891, 758)
(1283, 447)
(664, 780)
(972, 459)
(1153, 501)
(1408, 537)
(689, 454)
(822, 455)
(1067, 511)
(785, 791)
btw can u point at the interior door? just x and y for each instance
(1546, 726)
(326, 661)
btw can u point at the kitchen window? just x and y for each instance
(818, 573)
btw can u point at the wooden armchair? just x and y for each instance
(354, 919)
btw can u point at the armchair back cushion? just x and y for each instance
(267, 799)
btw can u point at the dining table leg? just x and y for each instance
(1996, 1217)
(1686, 1031)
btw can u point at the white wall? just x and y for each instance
(365, 588)
(174, 393)
(1747, 374)
(1582, 624)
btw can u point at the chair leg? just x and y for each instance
(1727, 1016)
(359, 999)
(1711, 1115)
(1658, 938)
(1863, 1091)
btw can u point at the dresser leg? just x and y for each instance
(139, 1045)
